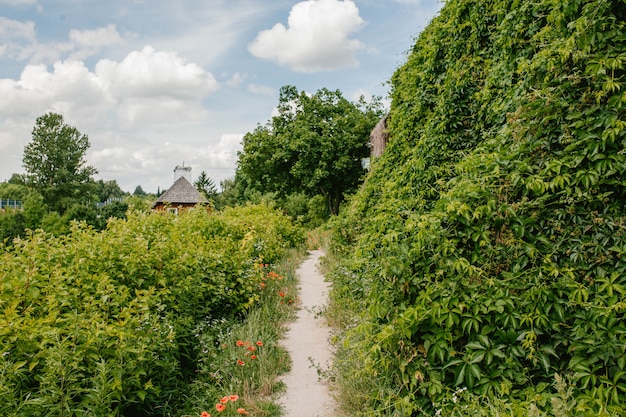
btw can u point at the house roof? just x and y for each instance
(181, 192)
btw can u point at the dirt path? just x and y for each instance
(307, 342)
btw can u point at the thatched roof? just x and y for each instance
(379, 137)
(181, 192)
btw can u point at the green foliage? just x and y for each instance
(100, 191)
(55, 161)
(104, 323)
(246, 357)
(206, 186)
(487, 248)
(309, 211)
(315, 146)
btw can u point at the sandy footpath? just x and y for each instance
(307, 342)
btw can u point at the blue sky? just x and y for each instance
(158, 83)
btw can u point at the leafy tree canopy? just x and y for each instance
(314, 145)
(55, 161)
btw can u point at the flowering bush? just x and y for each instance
(103, 323)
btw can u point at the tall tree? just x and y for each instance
(206, 186)
(55, 161)
(314, 145)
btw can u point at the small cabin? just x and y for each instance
(181, 195)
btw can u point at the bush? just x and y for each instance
(103, 322)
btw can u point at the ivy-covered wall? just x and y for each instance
(487, 249)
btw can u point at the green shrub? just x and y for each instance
(104, 323)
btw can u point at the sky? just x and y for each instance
(156, 84)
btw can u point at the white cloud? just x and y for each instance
(86, 43)
(316, 38)
(149, 73)
(261, 89)
(236, 79)
(18, 2)
(13, 29)
(16, 38)
(97, 38)
(124, 107)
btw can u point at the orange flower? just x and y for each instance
(282, 294)
(224, 400)
(205, 414)
(220, 407)
(262, 285)
(239, 343)
(251, 348)
(234, 397)
(242, 411)
(253, 357)
(259, 343)
(240, 362)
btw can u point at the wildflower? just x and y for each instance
(205, 414)
(240, 362)
(239, 343)
(282, 294)
(251, 348)
(259, 343)
(242, 411)
(253, 357)
(234, 397)
(224, 400)
(220, 407)
(262, 285)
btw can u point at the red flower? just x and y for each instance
(239, 343)
(259, 343)
(220, 407)
(224, 400)
(242, 411)
(251, 348)
(253, 357)
(234, 397)
(240, 362)
(282, 294)
(205, 414)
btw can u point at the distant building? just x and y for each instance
(181, 195)
(379, 138)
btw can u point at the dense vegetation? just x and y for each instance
(486, 252)
(312, 148)
(119, 321)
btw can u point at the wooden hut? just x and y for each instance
(180, 196)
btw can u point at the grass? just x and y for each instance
(244, 358)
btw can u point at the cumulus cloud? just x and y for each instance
(148, 91)
(150, 73)
(315, 39)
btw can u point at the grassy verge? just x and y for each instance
(241, 361)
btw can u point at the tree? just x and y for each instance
(314, 145)
(55, 162)
(139, 191)
(206, 186)
(105, 190)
